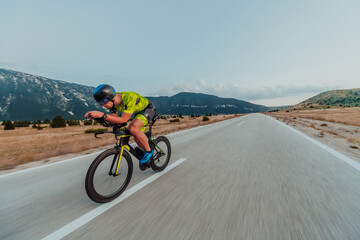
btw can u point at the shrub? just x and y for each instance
(205, 118)
(9, 125)
(92, 130)
(88, 122)
(38, 127)
(22, 124)
(58, 122)
(73, 123)
(175, 120)
(47, 121)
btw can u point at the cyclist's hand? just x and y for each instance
(94, 114)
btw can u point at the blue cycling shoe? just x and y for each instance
(146, 157)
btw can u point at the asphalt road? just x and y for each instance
(244, 178)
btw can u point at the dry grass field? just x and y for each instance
(349, 116)
(24, 145)
(338, 128)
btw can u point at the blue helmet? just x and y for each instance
(104, 91)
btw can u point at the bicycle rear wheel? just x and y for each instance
(162, 154)
(101, 184)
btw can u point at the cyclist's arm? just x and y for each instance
(119, 120)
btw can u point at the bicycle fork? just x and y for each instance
(117, 159)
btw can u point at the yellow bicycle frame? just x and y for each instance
(121, 153)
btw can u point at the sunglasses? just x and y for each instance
(104, 101)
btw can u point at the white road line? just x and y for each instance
(74, 225)
(341, 156)
(240, 123)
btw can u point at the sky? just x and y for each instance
(272, 53)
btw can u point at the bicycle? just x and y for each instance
(106, 178)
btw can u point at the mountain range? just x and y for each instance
(28, 97)
(197, 103)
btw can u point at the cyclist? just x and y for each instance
(128, 103)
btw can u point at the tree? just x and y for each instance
(47, 121)
(58, 122)
(9, 125)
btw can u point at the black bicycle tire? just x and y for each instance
(89, 184)
(152, 163)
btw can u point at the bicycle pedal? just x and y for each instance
(144, 166)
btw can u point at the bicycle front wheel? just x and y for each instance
(102, 183)
(162, 154)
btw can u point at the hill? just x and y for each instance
(334, 98)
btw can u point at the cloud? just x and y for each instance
(235, 90)
(9, 64)
(22, 67)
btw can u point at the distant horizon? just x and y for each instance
(268, 102)
(253, 102)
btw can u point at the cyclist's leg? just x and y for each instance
(137, 126)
